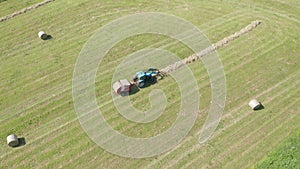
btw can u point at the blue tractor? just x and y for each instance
(142, 79)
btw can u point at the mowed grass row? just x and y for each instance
(53, 149)
(10, 6)
(57, 59)
(22, 126)
(247, 87)
(39, 89)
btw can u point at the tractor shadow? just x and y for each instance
(22, 142)
(133, 89)
(152, 82)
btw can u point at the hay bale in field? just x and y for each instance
(12, 140)
(43, 35)
(255, 105)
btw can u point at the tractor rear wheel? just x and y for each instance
(153, 80)
(141, 84)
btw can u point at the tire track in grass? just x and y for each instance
(250, 148)
(235, 110)
(41, 57)
(261, 53)
(256, 50)
(73, 26)
(240, 163)
(25, 10)
(268, 23)
(38, 138)
(271, 142)
(49, 98)
(51, 89)
(22, 110)
(191, 162)
(258, 117)
(58, 107)
(248, 137)
(106, 13)
(212, 48)
(216, 134)
(60, 148)
(33, 150)
(260, 38)
(290, 118)
(57, 128)
(82, 21)
(68, 164)
(102, 157)
(80, 143)
(268, 10)
(154, 44)
(247, 62)
(84, 153)
(246, 103)
(128, 127)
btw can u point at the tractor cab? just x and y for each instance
(141, 78)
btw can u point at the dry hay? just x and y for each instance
(25, 10)
(211, 48)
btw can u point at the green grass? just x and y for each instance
(36, 83)
(285, 156)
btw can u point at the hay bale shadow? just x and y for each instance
(22, 142)
(260, 107)
(49, 37)
(46, 37)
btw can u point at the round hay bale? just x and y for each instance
(43, 35)
(254, 104)
(12, 140)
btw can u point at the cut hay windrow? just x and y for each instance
(211, 48)
(4, 18)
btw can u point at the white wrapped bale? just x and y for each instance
(254, 104)
(12, 140)
(43, 35)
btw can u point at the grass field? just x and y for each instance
(36, 82)
(285, 156)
